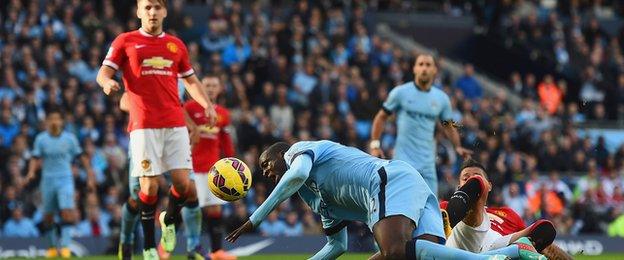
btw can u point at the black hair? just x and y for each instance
(276, 148)
(473, 163)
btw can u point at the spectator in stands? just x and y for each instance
(555, 184)
(8, 202)
(9, 128)
(239, 216)
(546, 203)
(93, 225)
(310, 225)
(549, 94)
(468, 83)
(19, 225)
(272, 226)
(514, 199)
(587, 182)
(293, 225)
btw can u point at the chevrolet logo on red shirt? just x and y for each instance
(157, 63)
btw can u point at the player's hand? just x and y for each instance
(377, 152)
(245, 228)
(212, 116)
(30, 177)
(194, 136)
(110, 86)
(463, 152)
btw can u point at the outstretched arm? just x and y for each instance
(336, 245)
(290, 183)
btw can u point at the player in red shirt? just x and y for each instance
(151, 63)
(478, 228)
(214, 143)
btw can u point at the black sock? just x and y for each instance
(461, 201)
(215, 228)
(176, 202)
(147, 205)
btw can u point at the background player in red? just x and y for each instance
(478, 228)
(151, 62)
(214, 143)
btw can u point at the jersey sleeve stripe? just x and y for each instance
(308, 152)
(388, 111)
(110, 64)
(186, 73)
(335, 229)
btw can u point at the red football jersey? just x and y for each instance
(503, 220)
(213, 141)
(151, 66)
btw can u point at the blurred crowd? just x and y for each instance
(306, 72)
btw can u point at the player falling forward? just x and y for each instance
(53, 151)
(213, 141)
(418, 106)
(191, 213)
(345, 184)
(478, 228)
(151, 62)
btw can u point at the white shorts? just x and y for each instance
(204, 195)
(156, 151)
(477, 239)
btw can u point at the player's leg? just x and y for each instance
(192, 220)
(464, 199)
(176, 159)
(211, 207)
(129, 217)
(68, 216)
(146, 147)
(394, 237)
(50, 206)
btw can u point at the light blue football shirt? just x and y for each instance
(417, 113)
(57, 153)
(340, 181)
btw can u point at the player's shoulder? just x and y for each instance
(42, 136)
(504, 212)
(174, 39)
(404, 87)
(125, 35)
(439, 92)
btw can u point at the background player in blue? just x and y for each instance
(53, 151)
(345, 184)
(418, 107)
(191, 213)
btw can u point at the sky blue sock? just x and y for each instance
(128, 224)
(192, 219)
(65, 234)
(428, 250)
(511, 251)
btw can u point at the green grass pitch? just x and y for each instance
(344, 257)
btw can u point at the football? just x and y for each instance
(229, 179)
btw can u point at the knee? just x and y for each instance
(48, 219)
(68, 216)
(396, 251)
(149, 185)
(191, 193)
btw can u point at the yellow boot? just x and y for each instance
(65, 252)
(52, 252)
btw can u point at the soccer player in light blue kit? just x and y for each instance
(345, 184)
(53, 151)
(418, 107)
